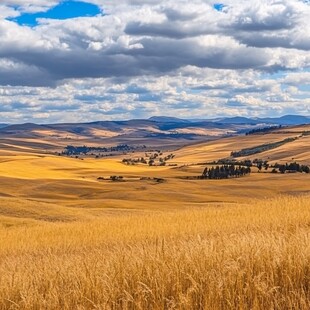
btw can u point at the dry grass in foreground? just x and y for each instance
(226, 257)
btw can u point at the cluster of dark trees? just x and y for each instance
(112, 178)
(133, 161)
(263, 130)
(225, 172)
(155, 155)
(290, 167)
(259, 163)
(261, 148)
(228, 161)
(149, 160)
(263, 164)
(115, 178)
(84, 150)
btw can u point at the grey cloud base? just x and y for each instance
(156, 39)
(184, 54)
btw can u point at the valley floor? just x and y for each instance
(52, 188)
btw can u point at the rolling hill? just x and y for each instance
(158, 131)
(32, 174)
(298, 150)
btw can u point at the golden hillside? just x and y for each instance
(30, 179)
(298, 150)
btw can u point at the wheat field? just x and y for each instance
(246, 256)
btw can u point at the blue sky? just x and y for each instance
(219, 6)
(64, 10)
(70, 61)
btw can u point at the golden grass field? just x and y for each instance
(70, 241)
(247, 256)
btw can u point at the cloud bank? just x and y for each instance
(137, 59)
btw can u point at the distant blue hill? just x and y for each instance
(283, 120)
(288, 120)
(237, 120)
(168, 123)
(168, 119)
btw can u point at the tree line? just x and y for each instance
(225, 172)
(77, 150)
(261, 148)
(263, 130)
(149, 159)
(290, 167)
(264, 164)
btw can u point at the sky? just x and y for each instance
(90, 60)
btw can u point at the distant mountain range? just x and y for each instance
(283, 120)
(168, 119)
(155, 131)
